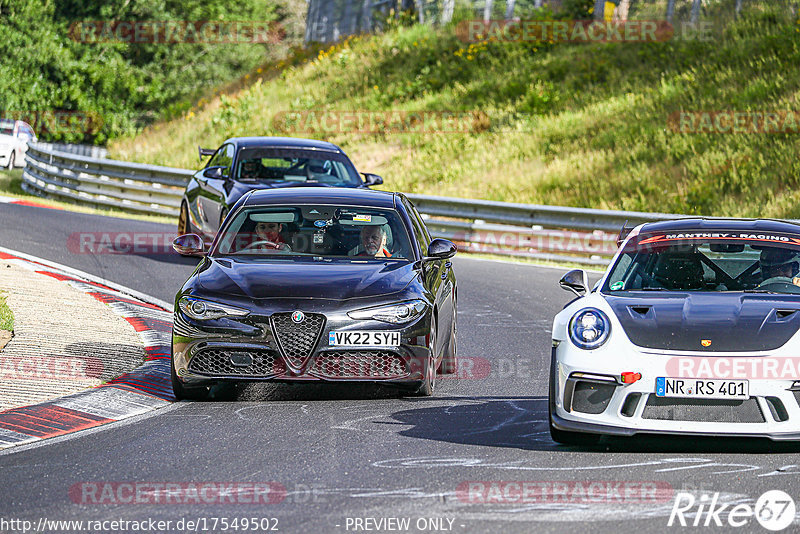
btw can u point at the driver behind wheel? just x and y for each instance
(250, 169)
(268, 236)
(779, 266)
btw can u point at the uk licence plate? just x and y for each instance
(367, 338)
(701, 388)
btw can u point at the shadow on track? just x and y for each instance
(522, 423)
(277, 392)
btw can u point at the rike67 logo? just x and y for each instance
(774, 510)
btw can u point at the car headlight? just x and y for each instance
(402, 312)
(203, 310)
(589, 328)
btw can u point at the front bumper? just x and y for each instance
(589, 396)
(268, 348)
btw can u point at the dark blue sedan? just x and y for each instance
(243, 164)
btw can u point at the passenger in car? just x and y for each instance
(373, 242)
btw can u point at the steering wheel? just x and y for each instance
(269, 244)
(781, 287)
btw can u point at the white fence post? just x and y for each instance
(510, 9)
(670, 10)
(696, 10)
(487, 10)
(447, 11)
(599, 9)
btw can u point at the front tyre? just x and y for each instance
(450, 358)
(428, 386)
(185, 393)
(10, 164)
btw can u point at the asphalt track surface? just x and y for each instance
(345, 453)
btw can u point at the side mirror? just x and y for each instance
(372, 179)
(440, 249)
(215, 173)
(576, 281)
(189, 245)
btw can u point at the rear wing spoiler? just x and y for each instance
(206, 151)
(623, 233)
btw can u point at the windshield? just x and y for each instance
(720, 261)
(293, 165)
(321, 231)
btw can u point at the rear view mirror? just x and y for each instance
(576, 281)
(732, 248)
(189, 245)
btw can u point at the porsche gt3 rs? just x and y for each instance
(313, 284)
(693, 329)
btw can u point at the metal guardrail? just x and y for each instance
(554, 233)
(135, 187)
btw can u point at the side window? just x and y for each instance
(222, 158)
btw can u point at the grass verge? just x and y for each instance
(582, 125)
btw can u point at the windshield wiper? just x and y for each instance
(654, 289)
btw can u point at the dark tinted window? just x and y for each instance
(322, 231)
(295, 165)
(703, 261)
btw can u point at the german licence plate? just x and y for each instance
(367, 338)
(701, 388)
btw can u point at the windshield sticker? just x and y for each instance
(721, 235)
(616, 286)
(362, 218)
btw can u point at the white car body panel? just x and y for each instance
(618, 355)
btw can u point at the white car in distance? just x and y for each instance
(14, 138)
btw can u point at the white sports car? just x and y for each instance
(693, 329)
(14, 138)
